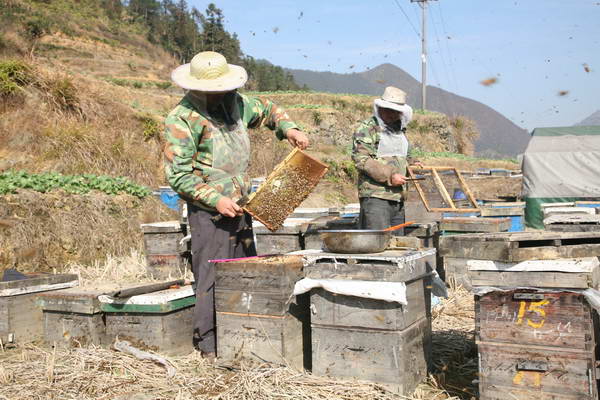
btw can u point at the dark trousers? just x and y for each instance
(227, 238)
(376, 213)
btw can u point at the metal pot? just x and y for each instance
(356, 241)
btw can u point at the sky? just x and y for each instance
(543, 54)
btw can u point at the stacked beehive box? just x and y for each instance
(166, 253)
(365, 338)
(535, 329)
(20, 317)
(258, 318)
(454, 269)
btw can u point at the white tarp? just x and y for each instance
(387, 291)
(562, 166)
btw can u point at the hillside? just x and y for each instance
(498, 135)
(90, 100)
(592, 120)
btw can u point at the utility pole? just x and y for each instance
(423, 4)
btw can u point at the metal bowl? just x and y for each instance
(355, 241)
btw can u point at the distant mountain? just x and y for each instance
(592, 120)
(499, 136)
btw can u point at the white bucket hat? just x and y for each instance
(209, 72)
(392, 98)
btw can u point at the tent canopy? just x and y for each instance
(560, 164)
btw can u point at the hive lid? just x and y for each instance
(38, 283)
(162, 301)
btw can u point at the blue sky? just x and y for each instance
(535, 48)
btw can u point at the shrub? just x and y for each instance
(151, 127)
(64, 94)
(37, 26)
(163, 85)
(14, 74)
(317, 119)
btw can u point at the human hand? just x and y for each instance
(297, 139)
(228, 207)
(397, 179)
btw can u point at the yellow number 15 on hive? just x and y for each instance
(536, 307)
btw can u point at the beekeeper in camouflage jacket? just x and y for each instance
(380, 153)
(207, 150)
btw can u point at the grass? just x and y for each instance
(445, 154)
(138, 84)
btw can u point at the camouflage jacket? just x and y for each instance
(375, 173)
(206, 154)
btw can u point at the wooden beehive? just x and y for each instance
(159, 321)
(535, 372)
(394, 359)
(384, 342)
(286, 187)
(537, 343)
(72, 317)
(522, 317)
(258, 317)
(20, 316)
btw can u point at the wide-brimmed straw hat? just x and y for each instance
(209, 72)
(392, 98)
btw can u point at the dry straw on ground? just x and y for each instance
(35, 372)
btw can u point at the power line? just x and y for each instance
(437, 38)
(447, 41)
(407, 18)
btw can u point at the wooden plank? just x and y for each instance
(396, 360)
(419, 190)
(466, 188)
(574, 227)
(564, 320)
(168, 334)
(331, 309)
(479, 250)
(530, 372)
(543, 280)
(551, 253)
(501, 211)
(475, 224)
(442, 189)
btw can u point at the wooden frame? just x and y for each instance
(442, 189)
